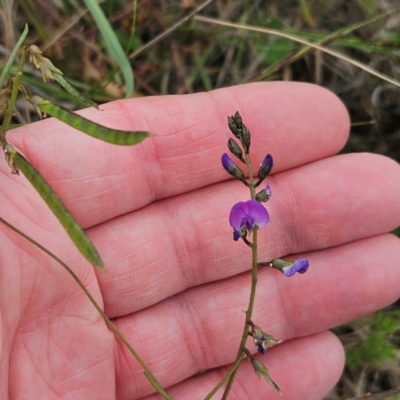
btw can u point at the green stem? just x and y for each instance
(11, 104)
(254, 278)
(153, 380)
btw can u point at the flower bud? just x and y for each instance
(235, 149)
(265, 168)
(245, 139)
(264, 195)
(231, 167)
(289, 268)
(235, 124)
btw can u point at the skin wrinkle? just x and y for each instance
(194, 347)
(180, 246)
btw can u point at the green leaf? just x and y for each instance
(112, 44)
(91, 128)
(75, 232)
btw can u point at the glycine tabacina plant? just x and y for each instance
(246, 218)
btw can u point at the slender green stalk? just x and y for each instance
(11, 59)
(153, 380)
(14, 93)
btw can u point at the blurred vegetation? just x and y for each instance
(200, 56)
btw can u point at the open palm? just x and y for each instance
(175, 282)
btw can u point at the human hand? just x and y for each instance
(175, 282)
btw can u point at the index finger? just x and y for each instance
(297, 123)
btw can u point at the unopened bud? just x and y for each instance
(231, 167)
(264, 195)
(235, 124)
(235, 149)
(265, 168)
(245, 139)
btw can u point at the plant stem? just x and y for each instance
(11, 104)
(254, 278)
(153, 380)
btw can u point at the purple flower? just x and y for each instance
(288, 268)
(246, 215)
(300, 266)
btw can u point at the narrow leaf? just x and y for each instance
(112, 43)
(75, 232)
(13, 54)
(91, 128)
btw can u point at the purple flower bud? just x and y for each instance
(264, 195)
(289, 268)
(246, 215)
(231, 167)
(265, 168)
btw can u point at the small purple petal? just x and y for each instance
(267, 162)
(236, 235)
(248, 214)
(261, 349)
(227, 163)
(299, 266)
(268, 191)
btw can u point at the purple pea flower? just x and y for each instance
(288, 268)
(300, 266)
(246, 215)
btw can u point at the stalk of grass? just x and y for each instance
(10, 62)
(112, 44)
(334, 53)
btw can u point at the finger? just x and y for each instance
(186, 240)
(297, 123)
(304, 369)
(201, 328)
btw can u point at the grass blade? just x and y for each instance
(10, 61)
(75, 232)
(112, 44)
